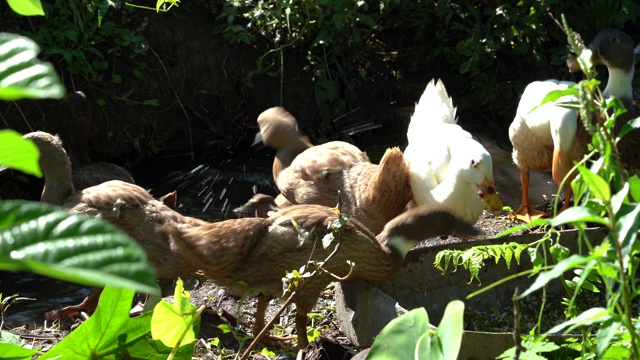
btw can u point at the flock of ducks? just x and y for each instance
(438, 185)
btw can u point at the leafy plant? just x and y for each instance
(410, 336)
(606, 194)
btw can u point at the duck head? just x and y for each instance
(278, 128)
(615, 49)
(479, 171)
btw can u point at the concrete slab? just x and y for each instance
(363, 308)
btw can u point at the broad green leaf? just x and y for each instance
(109, 333)
(399, 338)
(598, 186)
(18, 153)
(544, 278)
(50, 241)
(26, 7)
(171, 321)
(15, 352)
(22, 75)
(633, 124)
(627, 222)
(450, 329)
(634, 187)
(606, 332)
(578, 214)
(588, 317)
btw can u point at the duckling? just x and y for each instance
(298, 163)
(87, 173)
(447, 166)
(550, 137)
(260, 251)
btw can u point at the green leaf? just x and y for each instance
(598, 186)
(22, 75)
(18, 153)
(633, 124)
(627, 222)
(606, 332)
(544, 278)
(15, 352)
(399, 338)
(588, 317)
(108, 332)
(26, 7)
(578, 214)
(450, 329)
(50, 241)
(171, 321)
(634, 187)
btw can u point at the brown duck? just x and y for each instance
(260, 251)
(127, 206)
(374, 194)
(300, 169)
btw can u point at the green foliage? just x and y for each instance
(85, 40)
(335, 36)
(473, 258)
(22, 75)
(18, 153)
(604, 192)
(177, 323)
(410, 336)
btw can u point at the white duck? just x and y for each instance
(447, 165)
(550, 137)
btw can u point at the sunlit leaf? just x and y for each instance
(399, 338)
(450, 329)
(108, 331)
(589, 317)
(171, 321)
(598, 186)
(18, 153)
(633, 124)
(627, 222)
(22, 75)
(544, 278)
(578, 214)
(26, 7)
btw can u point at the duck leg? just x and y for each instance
(526, 212)
(258, 325)
(89, 304)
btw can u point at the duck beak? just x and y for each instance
(257, 142)
(489, 195)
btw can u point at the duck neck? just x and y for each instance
(459, 195)
(619, 83)
(58, 185)
(286, 154)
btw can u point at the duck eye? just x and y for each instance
(491, 190)
(481, 193)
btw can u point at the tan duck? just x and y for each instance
(260, 205)
(374, 194)
(298, 163)
(127, 206)
(87, 173)
(447, 166)
(260, 251)
(551, 137)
